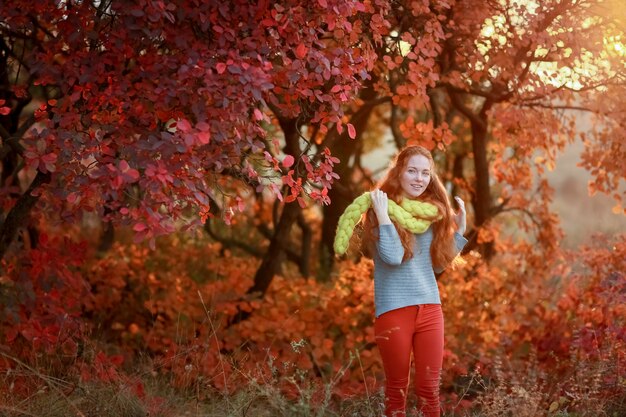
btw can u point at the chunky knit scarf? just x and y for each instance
(413, 215)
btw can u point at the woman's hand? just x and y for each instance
(380, 204)
(460, 216)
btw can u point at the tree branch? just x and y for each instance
(230, 243)
(18, 214)
(11, 144)
(460, 106)
(398, 138)
(559, 107)
(305, 250)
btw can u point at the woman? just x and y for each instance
(408, 308)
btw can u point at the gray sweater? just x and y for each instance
(399, 284)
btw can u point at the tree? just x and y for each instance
(494, 88)
(514, 77)
(144, 109)
(152, 113)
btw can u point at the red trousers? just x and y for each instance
(417, 329)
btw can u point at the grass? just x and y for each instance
(511, 391)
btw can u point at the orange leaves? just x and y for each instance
(303, 327)
(426, 134)
(300, 322)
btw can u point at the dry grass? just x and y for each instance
(520, 390)
(88, 401)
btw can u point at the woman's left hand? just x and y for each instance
(460, 216)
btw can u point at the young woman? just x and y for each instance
(408, 308)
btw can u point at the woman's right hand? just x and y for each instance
(380, 204)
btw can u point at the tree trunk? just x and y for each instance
(457, 172)
(275, 254)
(18, 214)
(340, 199)
(304, 263)
(342, 195)
(482, 198)
(274, 257)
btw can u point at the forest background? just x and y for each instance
(172, 173)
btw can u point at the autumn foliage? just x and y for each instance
(172, 173)
(179, 310)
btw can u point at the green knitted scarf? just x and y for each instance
(413, 215)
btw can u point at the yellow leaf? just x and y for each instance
(554, 406)
(617, 209)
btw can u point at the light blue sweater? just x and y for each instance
(399, 284)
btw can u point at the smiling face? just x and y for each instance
(416, 176)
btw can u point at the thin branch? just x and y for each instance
(435, 107)
(230, 243)
(36, 24)
(305, 250)
(460, 106)
(27, 124)
(4, 133)
(368, 105)
(546, 106)
(474, 92)
(523, 210)
(11, 144)
(398, 138)
(604, 83)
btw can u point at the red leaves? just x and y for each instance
(40, 157)
(194, 136)
(4, 110)
(183, 125)
(122, 174)
(351, 131)
(288, 161)
(258, 115)
(301, 51)
(128, 174)
(203, 137)
(186, 108)
(47, 162)
(46, 292)
(41, 337)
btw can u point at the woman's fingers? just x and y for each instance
(461, 203)
(378, 194)
(460, 216)
(380, 205)
(379, 199)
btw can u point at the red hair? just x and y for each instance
(442, 249)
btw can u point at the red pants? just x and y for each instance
(418, 329)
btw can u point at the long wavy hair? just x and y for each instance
(442, 249)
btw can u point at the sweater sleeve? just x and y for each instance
(389, 245)
(459, 243)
